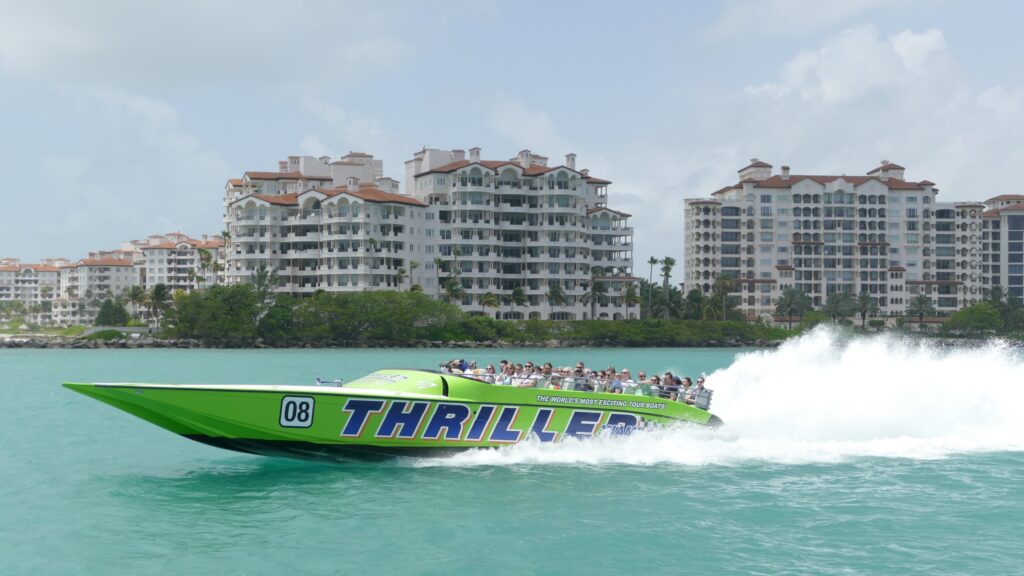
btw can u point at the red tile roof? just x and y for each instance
(755, 164)
(35, 267)
(990, 214)
(277, 199)
(371, 193)
(102, 262)
(886, 166)
(780, 182)
(1005, 198)
(235, 181)
(1012, 208)
(531, 170)
(594, 180)
(283, 176)
(596, 210)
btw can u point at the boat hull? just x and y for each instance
(387, 414)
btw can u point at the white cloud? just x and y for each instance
(786, 17)
(142, 174)
(523, 127)
(855, 63)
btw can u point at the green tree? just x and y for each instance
(667, 263)
(136, 298)
(438, 265)
(556, 295)
(597, 292)
(264, 281)
(631, 298)
(839, 305)
(920, 307)
(723, 285)
(650, 281)
(454, 293)
(111, 314)
(400, 275)
(792, 302)
(158, 301)
(975, 319)
(489, 300)
(866, 306)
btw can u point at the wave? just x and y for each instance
(825, 397)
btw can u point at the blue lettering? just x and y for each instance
(361, 410)
(582, 423)
(483, 419)
(502, 430)
(450, 417)
(619, 424)
(540, 424)
(397, 416)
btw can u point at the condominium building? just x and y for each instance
(97, 278)
(878, 233)
(1002, 243)
(322, 225)
(34, 285)
(179, 262)
(521, 224)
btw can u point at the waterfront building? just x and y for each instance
(878, 233)
(178, 261)
(510, 226)
(1002, 243)
(88, 281)
(35, 286)
(322, 225)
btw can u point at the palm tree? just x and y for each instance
(518, 297)
(159, 301)
(556, 295)
(489, 300)
(137, 298)
(920, 307)
(723, 285)
(400, 275)
(667, 263)
(453, 291)
(792, 302)
(598, 293)
(438, 264)
(413, 265)
(866, 305)
(650, 281)
(264, 280)
(839, 305)
(631, 298)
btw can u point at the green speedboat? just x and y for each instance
(388, 413)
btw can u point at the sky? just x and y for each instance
(125, 119)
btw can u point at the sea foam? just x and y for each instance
(825, 397)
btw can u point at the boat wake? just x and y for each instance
(826, 398)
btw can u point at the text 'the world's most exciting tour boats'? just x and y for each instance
(393, 413)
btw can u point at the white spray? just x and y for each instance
(826, 398)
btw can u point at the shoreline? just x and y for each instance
(146, 343)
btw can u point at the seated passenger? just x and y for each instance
(489, 374)
(670, 388)
(615, 382)
(686, 391)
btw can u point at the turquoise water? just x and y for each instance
(815, 472)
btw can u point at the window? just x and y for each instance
(766, 198)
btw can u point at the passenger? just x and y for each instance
(697, 389)
(670, 388)
(490, 375)
(628, 384)
(655, 386)
(686, 392)
(547, 370)
(641, 377)
(615, 382)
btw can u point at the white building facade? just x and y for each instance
(521, 224)
(35, 286)
(878, 233)
(322, 225)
